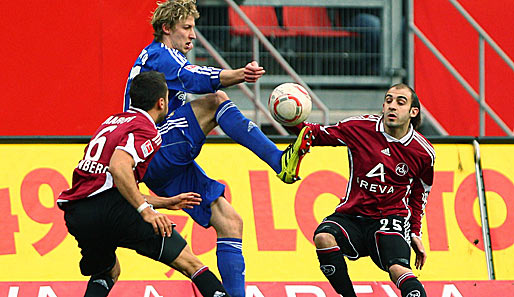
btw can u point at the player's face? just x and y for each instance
(397, 108)
(183, 34)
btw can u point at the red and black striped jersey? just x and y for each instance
(134, 132)
(388, 176)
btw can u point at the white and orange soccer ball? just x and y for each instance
(289, 104)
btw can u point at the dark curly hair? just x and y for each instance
(146, 89)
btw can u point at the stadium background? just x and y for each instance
(66, 66)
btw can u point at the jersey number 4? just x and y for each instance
(377, 171)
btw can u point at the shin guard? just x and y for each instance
(333, 266)
(410, 286)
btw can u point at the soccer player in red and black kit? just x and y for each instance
(104, 208)
(391, 173)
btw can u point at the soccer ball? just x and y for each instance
(289, 104)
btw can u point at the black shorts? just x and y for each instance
(385, 240)
(106, 221)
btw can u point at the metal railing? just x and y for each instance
(308, 62)
(278, 57)
(370, 55)
(253, 96)
(479, 96)
(484, 217)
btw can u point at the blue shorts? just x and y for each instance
(173, 170)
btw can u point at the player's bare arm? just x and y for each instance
(120, 167)
(183, 200)
(250, 73)
(421, 255)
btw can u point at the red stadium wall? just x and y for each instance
(456, 39)
(66, 62)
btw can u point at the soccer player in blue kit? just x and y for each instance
(173, 169)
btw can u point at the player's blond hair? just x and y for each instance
(171, 12)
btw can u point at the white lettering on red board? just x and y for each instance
(151, 290)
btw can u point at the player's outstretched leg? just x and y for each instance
(293, 155)
(245, 132)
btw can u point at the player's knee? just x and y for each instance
(215, 99)
(397, 267)
(115, 271)
(324, 240)
(234, 222)
(172, 247)
(187, 263)
(225, 219)
(401, 262)
(221, 96)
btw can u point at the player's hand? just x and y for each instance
(253, 72)
(184, 200)
(160, 222)
(421, 255)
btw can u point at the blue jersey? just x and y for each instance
(181, 76)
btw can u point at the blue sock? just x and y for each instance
(246, 133)
(231, 265)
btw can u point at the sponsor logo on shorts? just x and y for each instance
(402, 169)
(328, 270)
(414, 293)
(218, 294)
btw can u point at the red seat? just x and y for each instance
(264, 17)
(310, 21)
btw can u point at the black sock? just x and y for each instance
(409, 285)
(208, 284)
(99, 286)
(334, 268)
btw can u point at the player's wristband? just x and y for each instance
(144, 206)
(416, 236)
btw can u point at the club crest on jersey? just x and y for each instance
(182, 96)
(402, 169)
(147, 148)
